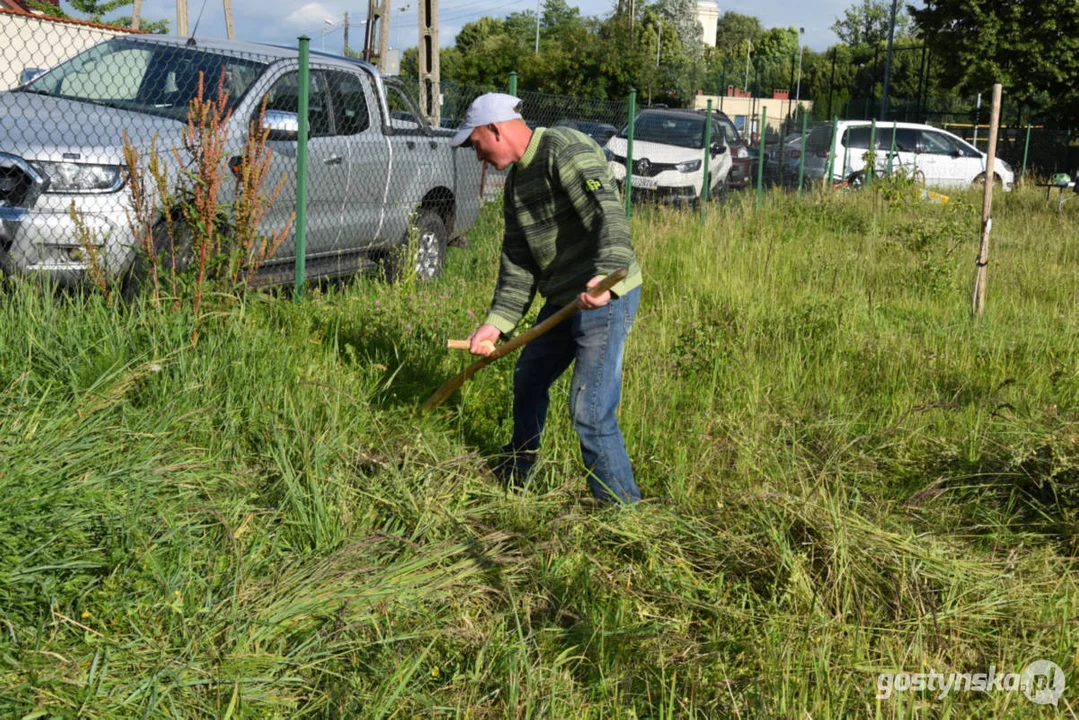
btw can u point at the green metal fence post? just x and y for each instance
(513, 82)
(760, 152)
(870, 170)
(627, 186)
(301, 172)
(1026, 149)
(830, 166)
(802, 157)
(705, 185)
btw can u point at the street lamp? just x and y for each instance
(888, 62)
(749, 49)
(397, 27)
(329, 24)
(659, 39)
(798, 87)
(537, 25)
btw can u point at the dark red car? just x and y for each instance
(741, 162)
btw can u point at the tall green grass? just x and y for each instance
(844, 475)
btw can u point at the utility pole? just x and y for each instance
(383, 34)
(430, 86)
(632, 20)
(230, 29)
(537, 25)
(369, 31)
(346, 34)
(181, 18)
(378, 15)
(136, 13)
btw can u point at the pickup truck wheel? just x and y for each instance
(138, 277)
(424, 255)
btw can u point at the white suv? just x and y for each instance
(668, 156)
(929, 154)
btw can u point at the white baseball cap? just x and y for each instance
(486, 109)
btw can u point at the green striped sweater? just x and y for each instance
(565, 224)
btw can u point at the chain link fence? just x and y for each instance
(150, 145)
(124, 154)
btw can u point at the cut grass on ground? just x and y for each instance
(843, 475)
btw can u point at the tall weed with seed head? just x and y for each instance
(187, 213)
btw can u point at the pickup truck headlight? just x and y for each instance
(741, 153)
(688, 166)
(65, 177)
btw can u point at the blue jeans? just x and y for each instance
(594, 341)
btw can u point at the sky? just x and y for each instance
(280, 22)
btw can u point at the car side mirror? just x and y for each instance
(28, 75)
(281, 125)
(718, 148)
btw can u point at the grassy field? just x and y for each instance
(843, 476)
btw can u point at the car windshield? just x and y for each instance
(147, 77)
(681, 130)
(730, 132)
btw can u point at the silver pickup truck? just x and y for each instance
(371, 174)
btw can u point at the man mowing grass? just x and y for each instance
(565, 230)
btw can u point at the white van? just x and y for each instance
(935, 157)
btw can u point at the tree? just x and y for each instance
(1031, 48)
(96, 12)
(558, 17)
(776, 42)
(475, 33)
(735, 31)
(868, 23)
(683, 15)
(671, 80)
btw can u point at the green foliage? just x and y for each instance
(558, 17)
(96, 12)
(869, 22)
(683, 15)
(1032, 49)
(777, 42)
(736, 32)
(486, 51)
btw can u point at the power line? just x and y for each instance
(462, 12)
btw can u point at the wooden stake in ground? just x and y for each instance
(978, 298)
(523, 339)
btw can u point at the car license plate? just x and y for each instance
(643, 183)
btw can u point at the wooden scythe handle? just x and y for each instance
(523, 339)
(467, 345)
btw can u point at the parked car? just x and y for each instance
(935, 156)
(778, 156)
(599, 131)
(741, 161)
(782, 159)
(371, 174)
(668, 156)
